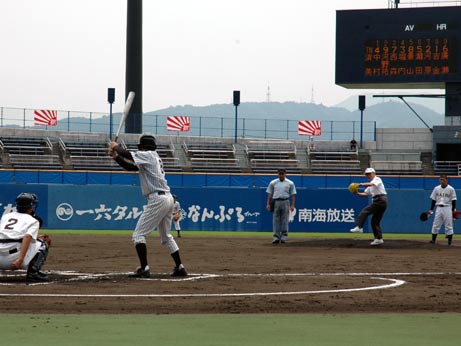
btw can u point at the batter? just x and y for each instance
(158, 211)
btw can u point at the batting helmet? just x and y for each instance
(26, 200)
(147, 142)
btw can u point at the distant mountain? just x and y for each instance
(387, 114)
(437, 104)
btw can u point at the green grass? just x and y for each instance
(246, 234)
(230, 330)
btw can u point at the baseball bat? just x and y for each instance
(126, 110)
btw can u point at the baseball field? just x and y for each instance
(317, 289)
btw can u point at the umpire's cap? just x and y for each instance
(26, 200)
(147, 142)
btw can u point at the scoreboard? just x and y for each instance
(398, 48)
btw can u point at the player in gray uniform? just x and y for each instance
(279, 192)
(177, 215)
(158, 211)
(21, 247)
(444, 197)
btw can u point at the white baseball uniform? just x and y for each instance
(14, 226)
(158, 211)
(177, 211)
(443, 214)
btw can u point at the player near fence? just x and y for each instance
(444, 197)
(21, 247)
(158, 211)
(177, 215)
(376, 189)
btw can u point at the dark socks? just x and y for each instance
(141, 249)
(450, 238)
(176, 258)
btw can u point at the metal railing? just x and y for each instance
(201, 126)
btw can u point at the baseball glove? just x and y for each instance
(45, 238)
(176, 218)
(354, 187)
(456, 214)
(424, 216)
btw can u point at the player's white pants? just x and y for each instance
(443, 216)
(177, 227)
(9, 252)
(156, 214)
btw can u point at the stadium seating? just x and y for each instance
(29, 153)
(209, 156)
(333, 157)
(267, 156)
(88, 153)
(447, 167)
(396, 163)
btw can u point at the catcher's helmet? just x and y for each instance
(147, 142)
(26, 200)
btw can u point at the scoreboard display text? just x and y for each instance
(398, 48)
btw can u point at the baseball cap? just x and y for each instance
(370, 170)
(281, 170)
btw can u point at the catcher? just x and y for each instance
(444, 197)
(21, 247)
(177, 215)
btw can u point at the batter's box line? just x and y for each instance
(393, 283)
(86, 276)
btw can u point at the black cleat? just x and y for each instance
(141, 273)
(179, 271)
(275, 241)
(36, 277)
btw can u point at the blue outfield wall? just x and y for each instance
(326, 209)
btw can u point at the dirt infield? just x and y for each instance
(242, 275)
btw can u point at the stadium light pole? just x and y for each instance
(361, 107)
(110, 99)
(236, 104)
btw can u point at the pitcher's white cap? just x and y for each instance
(370, 170)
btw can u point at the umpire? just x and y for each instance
(279, 192)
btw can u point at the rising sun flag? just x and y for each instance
(178, 123)
(309, 128)
(44, 117)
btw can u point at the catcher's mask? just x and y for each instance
(26, 200)
(147, 142)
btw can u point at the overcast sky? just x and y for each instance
(64, 54)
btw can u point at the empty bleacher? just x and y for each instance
(90, 153)
(447, 167)
(29, 153)
(333, 157)
(396, 163)
(215, 157)
(267, 156)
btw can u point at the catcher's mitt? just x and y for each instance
(456, 214)
(45, 238)
(354, 187)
